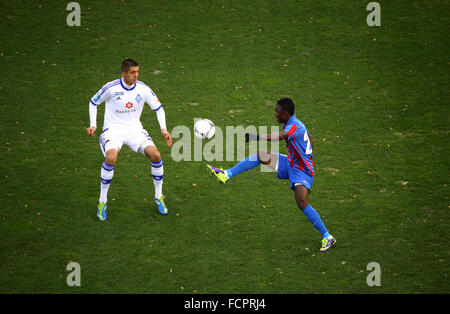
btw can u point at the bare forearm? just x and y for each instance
(274, 137)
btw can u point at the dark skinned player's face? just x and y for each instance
(280, 115)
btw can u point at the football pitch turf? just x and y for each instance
(375, 100)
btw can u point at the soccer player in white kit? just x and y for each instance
(124, 100)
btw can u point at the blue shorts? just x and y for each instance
(285, 171)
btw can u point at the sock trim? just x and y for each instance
(107, 167)
(157, 164)
(104, 181)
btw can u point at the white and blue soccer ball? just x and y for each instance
(204, 129)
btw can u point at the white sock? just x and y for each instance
(106, 175)
(158, 174)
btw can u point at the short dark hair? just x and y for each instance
(287, 104)
(127, 64)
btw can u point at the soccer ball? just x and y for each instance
(204, 129)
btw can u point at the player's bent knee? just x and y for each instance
(111, 157)
(156, 156)
(152, 153)
(110, 161)
(302, 203)
(303, 206)
(264, 157)
(301, 195)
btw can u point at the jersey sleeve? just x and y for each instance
(292, 131)
(152, 100)
(101, 96)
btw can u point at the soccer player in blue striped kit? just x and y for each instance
(125, 99)
(297, 166)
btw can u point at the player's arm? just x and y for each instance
(93, 119)
(96, 101)
(273, 137)
(156, 106)
(161, 116)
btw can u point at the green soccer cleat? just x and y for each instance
(101, 213)
(219, 173)
(327, 243)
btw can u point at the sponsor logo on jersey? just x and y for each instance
(125, 110)
(129, 105)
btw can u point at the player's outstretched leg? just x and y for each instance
(301, 197)
(244, 165)
(219, 173)
(106, 175)
(158, 174)
(327, 243)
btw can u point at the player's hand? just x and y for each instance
(249, 137)
(167, 136)
(91, 130)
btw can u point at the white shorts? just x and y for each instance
(136, 139)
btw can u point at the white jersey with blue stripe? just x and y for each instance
(123, 104)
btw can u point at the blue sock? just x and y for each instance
(314, 218)
(244, 165)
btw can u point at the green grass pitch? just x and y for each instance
(375, 100)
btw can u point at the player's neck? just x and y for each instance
(126, 83)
